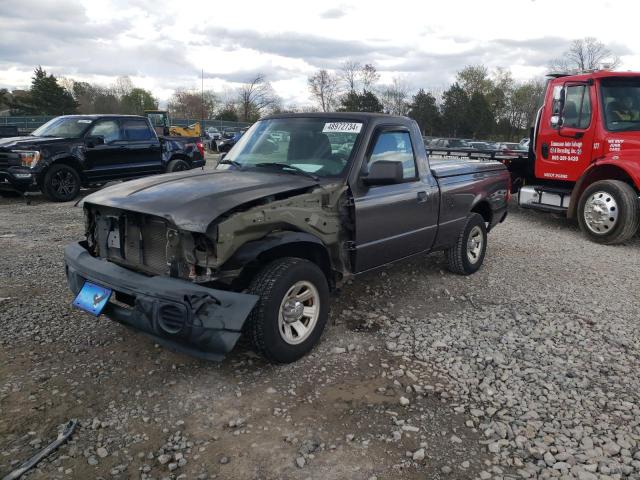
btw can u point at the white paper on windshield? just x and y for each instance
(307, 167)
(342, 127)
(85, 121)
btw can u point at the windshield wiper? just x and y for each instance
(238, 165)
(284, 166)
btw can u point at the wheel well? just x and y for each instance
(313, 252)
(70, 161)
(483, 208)
(179, 156)
(603, 172)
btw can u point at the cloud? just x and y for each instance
(314, 49)
(333, 13)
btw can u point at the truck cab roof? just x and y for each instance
(361, 116)
(583, 77)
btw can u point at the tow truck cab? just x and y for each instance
(584, 157)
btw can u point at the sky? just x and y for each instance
(165, 45)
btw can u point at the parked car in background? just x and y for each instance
(228, 139)
(480, 145)
(455, 143)
(213, 134)
(524, 143)
(509, 148)
(80, 150)
(257, 245)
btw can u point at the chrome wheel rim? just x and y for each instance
(600, 212)
(299, 312)
(474, 244)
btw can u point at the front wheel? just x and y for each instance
(608, 212)
(292, 311)
(467, 254)
(61, 183)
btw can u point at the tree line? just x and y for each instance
(479, 104)
(49, 95)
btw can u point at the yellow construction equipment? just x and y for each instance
(160, 122)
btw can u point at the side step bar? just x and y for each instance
(546, 199)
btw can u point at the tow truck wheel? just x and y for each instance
(608, 212)
(467, 255)
(61, 183)
(292, 310)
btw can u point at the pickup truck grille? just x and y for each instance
(4, 159)
(154, 243)
(134, 240)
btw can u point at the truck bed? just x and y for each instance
(450, 168)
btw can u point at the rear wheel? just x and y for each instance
(61, 183)
(608, 212)
(467, 254)
(177, 165)
(292, 311)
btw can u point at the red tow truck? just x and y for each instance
(584, 154)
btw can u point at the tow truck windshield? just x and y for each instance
(318, 146)
(621, 100)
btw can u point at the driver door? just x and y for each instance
(566, 147)
(102, 159)
(397, 220)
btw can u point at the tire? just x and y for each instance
(177, 165)
(272, 335)
(61, 183)
(464, 258)
(608, 212)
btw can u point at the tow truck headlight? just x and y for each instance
(28, 158)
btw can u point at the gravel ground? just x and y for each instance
(527, 369)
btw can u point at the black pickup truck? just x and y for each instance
(80, 150)
(300, 204)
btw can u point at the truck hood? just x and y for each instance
(28, 141)
(450, 168)
(191, 201)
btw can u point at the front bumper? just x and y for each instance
(181, 315)
(17, 178)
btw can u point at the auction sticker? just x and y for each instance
(342, 127)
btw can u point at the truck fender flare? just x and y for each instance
(251, 252)
(66, 158)
(602, 170)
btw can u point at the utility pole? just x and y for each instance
(202, 101)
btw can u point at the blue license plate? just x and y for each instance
(92, 298)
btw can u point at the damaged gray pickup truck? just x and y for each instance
(300, 204)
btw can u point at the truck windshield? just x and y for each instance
(319, 146)
(621, 101)
(64, 127)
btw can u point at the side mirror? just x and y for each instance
(94, 140)
(384, 172)
(559, 93)
(222, 155)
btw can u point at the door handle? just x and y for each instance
(423, 197)
(545, 150)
